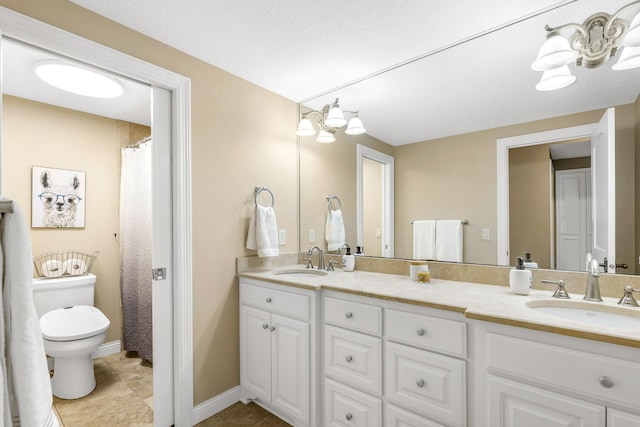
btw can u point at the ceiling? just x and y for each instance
(415, 69)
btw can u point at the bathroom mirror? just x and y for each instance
(455, 176)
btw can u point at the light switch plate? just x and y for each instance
(312, 235)
(486, 234)
(282, 237)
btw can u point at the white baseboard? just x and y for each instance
(107, 349)
(216, 404)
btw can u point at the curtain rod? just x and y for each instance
(138, 143)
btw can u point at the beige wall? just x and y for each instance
(371, 206)
(233, 150)
(636, 258)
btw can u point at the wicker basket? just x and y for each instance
(63, 263)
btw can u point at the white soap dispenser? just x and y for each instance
(348, 261)
(520, 279)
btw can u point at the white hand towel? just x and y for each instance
(334, 230)
(449, 240)
(30, 386)
(424, 239)
(263, 232)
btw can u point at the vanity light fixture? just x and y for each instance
(78, 80)
(590, 45)
(330, 119)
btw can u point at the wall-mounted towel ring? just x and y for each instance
(331, 197)
(258, 190)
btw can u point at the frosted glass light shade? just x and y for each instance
(78, 80)
(556, 79)
(305, 128)
(325, 137)
(630, 58)
(632, 38)
(554, 53)
(335, 118)
(355, 126)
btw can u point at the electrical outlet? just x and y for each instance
(312, 235)
(379, 232)
(486, 234)
(282, 237)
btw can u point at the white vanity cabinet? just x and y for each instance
(277, 349)
(527, 378)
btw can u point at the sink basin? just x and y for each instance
(299, 273)
(604, 315)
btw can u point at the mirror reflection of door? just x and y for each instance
(372, 193)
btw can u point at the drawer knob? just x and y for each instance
(420, 383)
(606, 382)
(420, 332)
(348, 359)
(273, 328)
(349, 417)
(268, 299)
(348, 315)
(265, 326)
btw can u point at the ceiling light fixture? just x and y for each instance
(330, 119)
(78, 80)
(590, 45)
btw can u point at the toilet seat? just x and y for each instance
(73, 323)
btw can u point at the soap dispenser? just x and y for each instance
(348, 261)
(528, 262)
(520, 279)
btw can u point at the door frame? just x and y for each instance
(31, 31)
(503, 145)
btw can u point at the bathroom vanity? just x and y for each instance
(372, 349)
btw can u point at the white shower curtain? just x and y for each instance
(136, 250)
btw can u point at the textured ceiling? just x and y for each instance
(416, 69)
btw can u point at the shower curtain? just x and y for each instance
(136, 250)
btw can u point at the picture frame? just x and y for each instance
(58, 198)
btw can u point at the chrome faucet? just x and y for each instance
(320, 257)
(628, 299)
(592, 293)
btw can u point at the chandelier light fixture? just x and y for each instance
(330, 119)
(590, 45)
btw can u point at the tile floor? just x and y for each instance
(124, 397)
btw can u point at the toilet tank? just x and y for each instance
(66, 291)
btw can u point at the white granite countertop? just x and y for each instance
(483, 302)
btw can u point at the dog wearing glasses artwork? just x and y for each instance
(60, 194)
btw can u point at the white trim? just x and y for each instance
(31, 31)
(388, 197)
(216, 404)
(107, 349)
(503, 145)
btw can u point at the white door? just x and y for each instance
(512, 404)
(290, 388)
(255, 354)
(603, 173)
(573, 218)
(163, 411)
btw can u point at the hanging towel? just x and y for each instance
(449, 240)
(27, 372)
(334, 230)
(263, 232)
(424, 239)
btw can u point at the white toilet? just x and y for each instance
(72, 329)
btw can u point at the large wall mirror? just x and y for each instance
(456, 175)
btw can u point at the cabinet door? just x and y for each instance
(290, 367)
(512, 404)
(616, 418)
(255, 353)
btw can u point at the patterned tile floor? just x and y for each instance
(124, 397)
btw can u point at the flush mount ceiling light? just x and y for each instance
(330, 119)
(78, 80)
(590, 45)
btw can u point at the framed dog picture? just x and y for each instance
(58, 198)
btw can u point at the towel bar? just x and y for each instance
(331, 197)
(464, 221)
(258, 190)
(6, 206)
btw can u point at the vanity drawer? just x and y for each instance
(275, 301)
(344, 406)
(396, 417)
(447, 336)
(429, 384)
(353, 358)
(575, 371)
(353, 315)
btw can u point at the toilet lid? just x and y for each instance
(73, 323)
